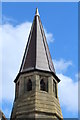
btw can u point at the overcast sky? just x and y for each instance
(60, 22)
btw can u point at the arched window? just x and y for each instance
(54, 88)
(42, 85)
(29, 85)
(47, 86)
(17, 90)
(17, 87)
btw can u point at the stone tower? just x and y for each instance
(36, 85)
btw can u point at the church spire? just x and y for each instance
(36, 80)
(37, 55)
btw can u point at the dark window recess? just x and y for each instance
(17, 90)
(42, 85)
(29, 85)
(47, 87)
(55, 88)
(17, 87)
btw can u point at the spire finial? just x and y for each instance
(36, 13)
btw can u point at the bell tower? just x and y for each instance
(36, 85)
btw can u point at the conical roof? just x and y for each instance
(37, 55)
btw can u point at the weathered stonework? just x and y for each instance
(36, 103)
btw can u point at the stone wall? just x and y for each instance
(36, 103)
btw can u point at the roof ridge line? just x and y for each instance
(27, 47)
(36, 41)
(42, 31)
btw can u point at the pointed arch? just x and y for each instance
(42, 85)
(55, 88)
(29, 85)
(17, 90)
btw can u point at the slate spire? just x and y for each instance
(37, 55)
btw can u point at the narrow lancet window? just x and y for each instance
(47, 87)
(29, 85)
(17, 90)
(42, 85)
(54, 88)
